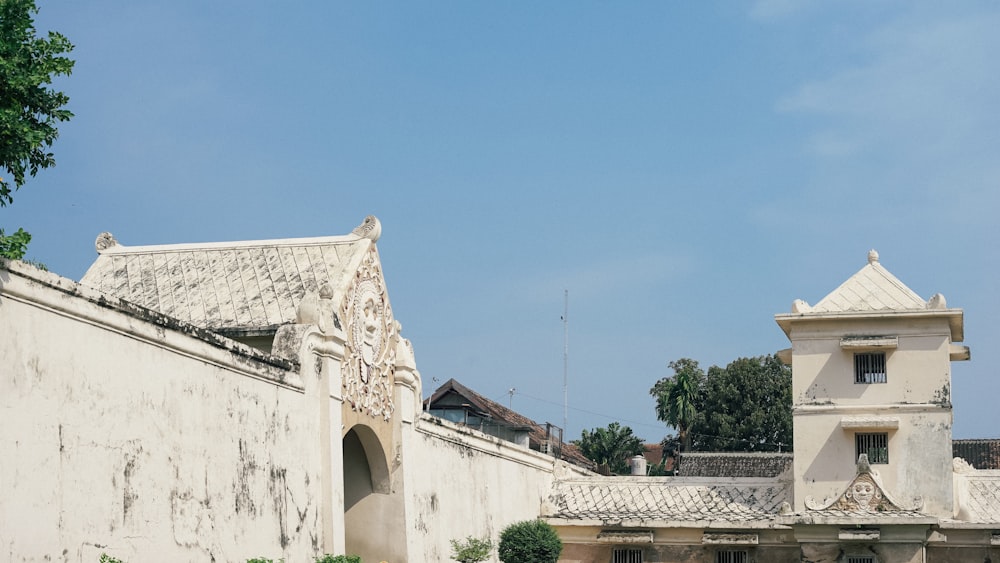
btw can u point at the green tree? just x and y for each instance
(29, 108)
(531, 541)
(612, 446)
(746, 406)
(678, 398)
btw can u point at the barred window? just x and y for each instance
(860, 559)
(627, 555)
(869, 367)
(873, 444)
(730, 556)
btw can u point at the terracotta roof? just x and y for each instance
(734, 464)
(536, 433)
(645, 499)
(247, 284)
(981, 454)
(654, 454)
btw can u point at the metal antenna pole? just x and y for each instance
(565, 360)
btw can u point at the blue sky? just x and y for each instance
(685, 169)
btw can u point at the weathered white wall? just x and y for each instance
(917, 394)
(460, 482)
(123, 432)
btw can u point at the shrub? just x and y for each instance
(105, 558)
(471, 550)
(531, 541)
(338, 559)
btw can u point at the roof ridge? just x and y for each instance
(119, 249)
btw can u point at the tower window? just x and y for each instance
(873, 444)
(730, 556)
(860, 559)
(626, 555)
(869, 367)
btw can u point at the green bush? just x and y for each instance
(471, 550)
(531, 541)
(338, 559)
(105, 558)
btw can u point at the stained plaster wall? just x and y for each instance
(674, 543)
(917, 393)
(461, 482)
(121, 432)
(962, 546)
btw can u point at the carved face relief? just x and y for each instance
(863, 494)
(368, 322)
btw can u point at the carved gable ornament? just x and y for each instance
(370, 352)
(864, 494)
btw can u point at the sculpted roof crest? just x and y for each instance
(864, 494)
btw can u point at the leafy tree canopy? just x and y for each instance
(746, 406)
(611, 446)
(29, 109)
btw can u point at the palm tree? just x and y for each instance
(677, 396)
(611, 446)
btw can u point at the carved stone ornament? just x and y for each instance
(105, 241)
(370, 228)
(370, 352)
(864, 494)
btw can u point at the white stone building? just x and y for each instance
(223, 401)
(873, 479)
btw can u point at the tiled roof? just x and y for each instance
(247, 285)
(981, 454)
(617, 499)
(734, 464)
(494, 410)
(873, 288)
(983, 502)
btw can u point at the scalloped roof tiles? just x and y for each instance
(984, 496)
(613, 499)
(248, 284)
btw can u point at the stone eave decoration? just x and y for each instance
(865, 494)
(370, 351)
(625, 536)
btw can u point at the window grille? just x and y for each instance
(731, 557)
(869, 367)
(625, 555)
(860, 559)
(875, 445)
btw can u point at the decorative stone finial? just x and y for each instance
(370, 228)
(872, 256)
(800, 306)
(105, 241)
(863, 465)
(937, 301)
(959, 465)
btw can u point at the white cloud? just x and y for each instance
(926, 80)
(916, 115)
